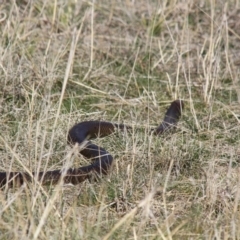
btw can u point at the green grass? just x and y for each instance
(63, 62)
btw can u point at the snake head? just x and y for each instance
(171, 117)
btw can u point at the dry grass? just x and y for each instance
(122, 61)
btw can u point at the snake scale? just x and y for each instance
(102, 161)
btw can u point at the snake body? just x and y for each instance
(102, 161)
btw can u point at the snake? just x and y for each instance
(101, 160)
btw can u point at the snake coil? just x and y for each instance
(83, 132)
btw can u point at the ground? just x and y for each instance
(63, 62)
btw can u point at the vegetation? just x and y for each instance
(64, 62)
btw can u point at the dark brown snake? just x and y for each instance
(101, 159)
